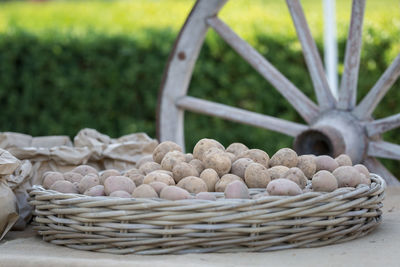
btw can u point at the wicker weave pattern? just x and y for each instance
(156, 226)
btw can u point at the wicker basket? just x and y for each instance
(156, 226)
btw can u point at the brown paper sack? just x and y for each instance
(58, 153)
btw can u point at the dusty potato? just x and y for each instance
(148, 167)
(198, 164)
(158, 186)
(87, 182)
(147, 158)
(163, 148)
(84, 170)
(188, 157)
(107, 173)
(343, 160)
(158, 177)
(296, 175)
(118, 183)
(203, 145)
(325, 163)
(193, 184)
(277, 172)
(144, 191)
(283, 187)
(174, 193)
(240, 165)
(65, 187)
(135, 175)
(256, 176)
(362, 169)
(347, 176)
(218, 161)
(210, 177)
(206, 196)
(49, 178)
(365, 180)
(72, 177)
(231, 156)
(306, 163)
(236, 148)
(285, 157)
(172, 158)
(324, 181)
(182, 170)
(95, 191)
(225, 180)
(236, 189)
(120, 193)
(257, 155)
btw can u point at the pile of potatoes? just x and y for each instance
(171, 174)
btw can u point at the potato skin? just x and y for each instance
(210, 177)
(285, 157)
(174, 193)
(347, 176)
(256, 176)
(283, 187)
(325, 163)
(296, 175)
(85, 170)
(277, 172)
(158, 186)
(107, 173)
(49, 178)
(193, 184)
(218, 161)
(144, 191)
(163, 148)
(188, 157)
(365, 180)
(147, 158)
(343, 160)
(236, 148)
(172, 158)
(95, 191)
(198, 164)
(182, 170)
(225, 180)
(72, 177)
(135, 175)
(240, 165)
(236, 189)
(257, 155)
(324, 181)
(158, 177)
(118, 183)
(87, 182)
(121, 194)
(203, 145)
(306, 163)
(362, 169)
(148, 167)
(65, 187)
(206, 196)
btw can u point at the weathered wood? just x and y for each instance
(383, 125)
(382, 149)
(304, 106)
(348, 85)
(365, 108)
(179, 70)
(240, 115)
(326, 100)
(375, 166)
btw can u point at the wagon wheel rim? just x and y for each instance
(342, 125)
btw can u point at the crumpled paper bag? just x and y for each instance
(58, 153)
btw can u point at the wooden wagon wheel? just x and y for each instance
(334, 126)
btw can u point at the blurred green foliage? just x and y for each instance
(65, 65)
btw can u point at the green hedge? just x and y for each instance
(58, 83)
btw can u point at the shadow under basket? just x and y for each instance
(158, 226)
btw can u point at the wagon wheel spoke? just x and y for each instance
(382, 149)
(383, 125)
(240, 115)
(304, 106)
(377, 167)
(365, 108)
(326, 100)
(348, 85)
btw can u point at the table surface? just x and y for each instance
(380, 248)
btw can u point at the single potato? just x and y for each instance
(306, 163)
(182, 170)
(347, 176)
(277, 172)
(257, 155)
(107, 173)
(324, 181)
(158, 177)
(284, 157)
(256, 176)
(85, 170)
(210, 177)
(218, 161)
(174, 193)
(188, 157)
(240, 165)
(172, 158)
(118, 183)
(163, 148)
(236, 148)
(65, 187)
(193, 184)
(203, 145)
(326, 163)
(236, 189)
(144, 191)
(283, 187)
(344, 160)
